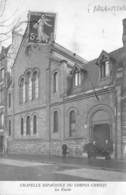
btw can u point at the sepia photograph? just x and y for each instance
(62, 94)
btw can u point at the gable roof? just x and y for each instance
(78, 67)
(57, 47)
(103, 56)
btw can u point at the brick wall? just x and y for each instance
(28, 147)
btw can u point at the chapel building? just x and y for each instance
(58, 97)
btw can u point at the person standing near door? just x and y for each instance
(108, 148)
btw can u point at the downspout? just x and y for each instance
(49, 102)
(13, 100)
(5, 112)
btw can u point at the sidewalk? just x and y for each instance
(113, 165)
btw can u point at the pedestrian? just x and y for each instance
(94, 148)
(64, 150)
(107, 149)
(90, 148)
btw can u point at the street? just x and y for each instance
(13, 168)
(19, 170)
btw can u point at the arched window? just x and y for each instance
(72, 123)
(105, 69)
(34, 124)
(9, 100)
(35, 85)
(55, 82)
(22, 126)
(2, 71)
(9, 127)
(22, 94)
(77, 78)
(29, 86)
(2, 96)
(28, 125)
(1, 120)
(55, 122)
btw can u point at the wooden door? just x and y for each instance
(101, 132)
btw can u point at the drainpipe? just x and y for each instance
(118, 124)
(49, 101)
(5, 112)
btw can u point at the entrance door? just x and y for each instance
(101, 132)
(1, 143)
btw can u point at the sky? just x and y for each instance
(81, 26)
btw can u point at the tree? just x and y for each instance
(7, 24)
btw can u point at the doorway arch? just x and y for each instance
(101, 124)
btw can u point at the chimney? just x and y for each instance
(124, 32)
